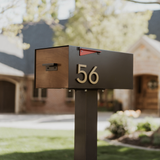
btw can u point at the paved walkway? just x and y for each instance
(54, 122)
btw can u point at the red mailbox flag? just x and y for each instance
(83, 52)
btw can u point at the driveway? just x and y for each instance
(54, 122)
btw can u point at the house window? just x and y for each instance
(70, 95)
(39, 93)
(152, 84)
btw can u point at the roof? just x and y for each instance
(7, 70)
(12, 49)
(152, 44)
(11, 57)
(15, 61)
(154, 24)
(38, 35)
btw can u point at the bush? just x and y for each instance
(144, 126)
(142, 135)
(145, 140)
(147, 125)
(120, 124)
(156, 139)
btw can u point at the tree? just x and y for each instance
(97, 24)
(35, 10)
(145, 2)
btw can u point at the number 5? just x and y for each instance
(83, 72)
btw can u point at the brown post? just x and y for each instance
(85, 125)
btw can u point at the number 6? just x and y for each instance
(95, 73)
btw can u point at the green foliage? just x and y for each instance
(35, 10)
(147, 125)
(156, 139)
(144, 126)
(142, 135)
(120, 124)
(39, 9)
(38, 144)
(145, 139)
(96, 24)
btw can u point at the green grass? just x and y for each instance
(30, 144)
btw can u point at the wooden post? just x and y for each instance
(85, 125)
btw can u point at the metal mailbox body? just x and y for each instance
(114, 69)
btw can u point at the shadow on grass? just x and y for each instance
(43, 155)
(103, 153)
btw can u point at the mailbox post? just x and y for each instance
(86, 70)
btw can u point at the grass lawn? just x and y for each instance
(31, 144)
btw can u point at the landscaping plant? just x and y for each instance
(148, 124)
(120, 124)
(156, 139)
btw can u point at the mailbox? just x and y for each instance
(83, 68)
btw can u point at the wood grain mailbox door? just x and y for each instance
(83, 68)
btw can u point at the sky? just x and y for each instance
(68, 5)
(65, 7)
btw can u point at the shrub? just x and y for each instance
(145, 139)
(147, 125)
(156, 139)
(120, 124)
(144, 126)
(142, 135)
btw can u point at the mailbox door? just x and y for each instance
(104, 69)
(52, 78)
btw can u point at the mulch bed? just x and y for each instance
(143, 139)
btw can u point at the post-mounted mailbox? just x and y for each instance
(83, 68)
(86, 70)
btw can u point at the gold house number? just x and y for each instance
(85, 74)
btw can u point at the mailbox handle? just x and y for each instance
(51, 66)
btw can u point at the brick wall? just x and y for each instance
(54, 103)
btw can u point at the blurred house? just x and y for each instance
(17, 92)
(146, 92)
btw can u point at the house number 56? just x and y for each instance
(80, 66)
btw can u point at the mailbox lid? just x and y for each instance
(115, 69)
(51, 79)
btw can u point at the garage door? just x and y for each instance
(7, 97)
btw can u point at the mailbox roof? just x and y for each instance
(53, 47)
